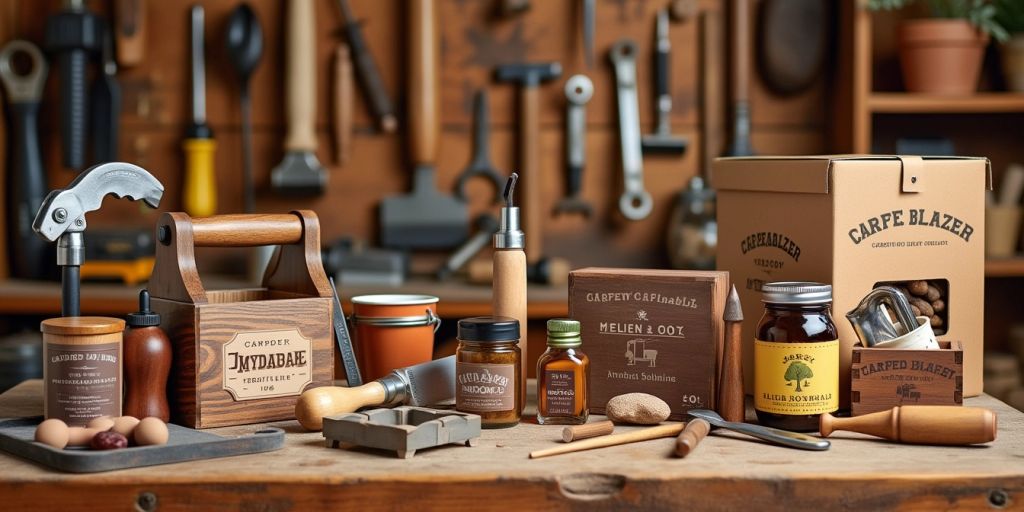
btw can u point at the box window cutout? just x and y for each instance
(928, 297)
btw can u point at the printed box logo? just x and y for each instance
(267, 364)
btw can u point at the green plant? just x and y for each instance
(1010, 14)
(980, 13)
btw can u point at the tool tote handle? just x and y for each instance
(294, 268)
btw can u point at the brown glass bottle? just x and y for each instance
(562, 373)
(796, 356)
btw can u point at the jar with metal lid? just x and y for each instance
(487, 371)
(562, 373)
(796, 356)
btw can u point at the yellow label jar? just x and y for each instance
(488, 375)
(796, 356)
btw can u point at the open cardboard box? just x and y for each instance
(856, 222)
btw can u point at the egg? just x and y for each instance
(124, 425)
(53, 432)
(80, 436)
(101, 423)
(151, 431)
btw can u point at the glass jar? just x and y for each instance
(796, 356)
(488, 375)
(562, 373)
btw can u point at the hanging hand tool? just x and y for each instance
(344, 341)
(106, 105)
(423, 384)
(300, 173)
(423, 219)
(772, 435)
(740, 144)
(200, 191)
(486, 227)
(28, 253)
(480, 165)
(369, 76)
(344, 102)
(635, 203)
(72, 34)
(244, 42)
(578, 91)
(588, 32)
(949, 425)
(130, 31)
(529, 77)
(662, 140)
(61, 217)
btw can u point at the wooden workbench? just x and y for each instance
(726, 472)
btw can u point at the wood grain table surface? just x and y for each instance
(726, 472)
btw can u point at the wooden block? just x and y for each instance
(651, 331)
(404, 429)
(883, 378)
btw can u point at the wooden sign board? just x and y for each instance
(651, 331)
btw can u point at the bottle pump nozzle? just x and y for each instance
(509, 235)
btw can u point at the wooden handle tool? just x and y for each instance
(424, 82)
(587, 430)
(668, 430)
(316, 403)
(130, 31)
(695, 432)
(920, 424)
(344, 102)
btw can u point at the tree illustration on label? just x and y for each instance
(798, 371)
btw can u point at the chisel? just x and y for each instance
(369, 76)
(200, 192)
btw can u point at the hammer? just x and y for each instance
(529, 76)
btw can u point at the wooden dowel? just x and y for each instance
(587, 430)
(668, 430)
(695, 431)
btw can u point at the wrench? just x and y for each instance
(480, 165)
(635, 203)
(27, 179)
(61, 217)
(578, 91)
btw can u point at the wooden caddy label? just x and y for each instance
(267, 364)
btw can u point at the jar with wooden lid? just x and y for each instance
(82, 368)
(796, 356)
(488, 374)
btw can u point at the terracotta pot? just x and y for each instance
(1013, 63)
(941, 56)
(393, 331)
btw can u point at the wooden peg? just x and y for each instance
(587, 430)
(696, 430)
(667, 430)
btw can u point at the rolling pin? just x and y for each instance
(920, 424)
(667, 430)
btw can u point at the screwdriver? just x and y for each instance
(200, 193)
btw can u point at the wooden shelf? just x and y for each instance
(458, 300)
(980, 103)
(1005, 267)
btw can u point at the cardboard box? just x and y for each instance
(854, 222)
(651, 331)
(882, 378)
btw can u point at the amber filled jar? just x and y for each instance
(796, 356)
(488, 375)
(562, 373)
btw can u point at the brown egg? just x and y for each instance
(151, 431)
(53, 432)
(80, 436)
(124, 425)
(101, 423)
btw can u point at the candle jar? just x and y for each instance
(488, 374)
(81, 368)
(562, 373)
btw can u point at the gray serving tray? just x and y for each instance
(184, 444)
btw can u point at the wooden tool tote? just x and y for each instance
(243, 356)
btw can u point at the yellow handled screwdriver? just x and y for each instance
(200, 191)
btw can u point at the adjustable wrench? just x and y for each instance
(578, 91)
(61, 218)
(27, 179)
(635, 203)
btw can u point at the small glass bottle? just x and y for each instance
(796, 356)
(562, 373)
(487, 371)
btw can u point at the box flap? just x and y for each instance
(800, 174)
